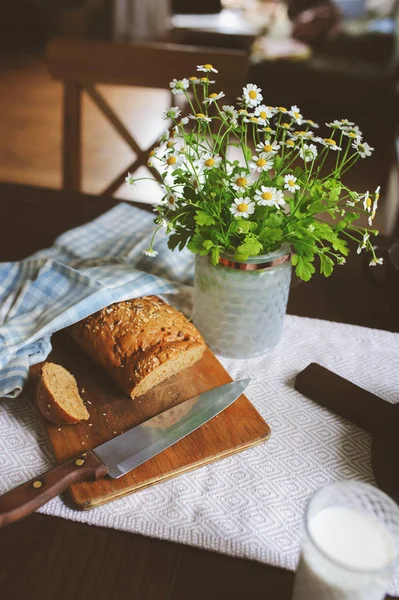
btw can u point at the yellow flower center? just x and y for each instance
(290, 143)
(254, 119)
(242, 181)
(285, 125)
(301, 133)
(242, 111)
(310, 122)
(291, 183)
(352, 134)
(268, 148)
(368, 202)
(200, 115)
(204, 79)
(242, 207)
(267, 195)
(296, 115)
(214, 95)
(330, 142)
(268, 129)
(261, 162)
(252, 94)
(193, 78)
(152, 153)
(172, 200)
(168, 145)
(282, 108)
(171, 160)
(263, 115)
(208, 66)
(209, 162)
(377, 196)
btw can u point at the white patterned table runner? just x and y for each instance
(251, 504)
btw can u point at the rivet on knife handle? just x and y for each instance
(28, 497)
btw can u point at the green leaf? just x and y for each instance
(174, 241)
(215, 254)
(196, 243)
(241, 224)
(326, 265)
(247, 153)
(274, 220)
(270, 235)
(251, 247)
(204, 218)
(208, 244)
(304, 267)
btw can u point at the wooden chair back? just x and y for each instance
(82, 64)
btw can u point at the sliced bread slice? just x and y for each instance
(58, 397)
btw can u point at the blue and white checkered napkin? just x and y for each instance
(87, 269)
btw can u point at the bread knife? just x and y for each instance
(121, 454)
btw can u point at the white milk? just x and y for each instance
(356, 541)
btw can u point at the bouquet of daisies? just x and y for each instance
(245, 179)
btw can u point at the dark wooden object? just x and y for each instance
(45, 557)
(113, 412)
(83, 64)
(371, 413)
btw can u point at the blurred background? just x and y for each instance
(333, 58)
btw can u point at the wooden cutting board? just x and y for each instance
(112, 412)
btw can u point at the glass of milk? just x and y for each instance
(350, 546)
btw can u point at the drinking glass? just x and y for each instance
(350, 545)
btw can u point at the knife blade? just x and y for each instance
(121, 454)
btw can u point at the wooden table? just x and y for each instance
(47, 558)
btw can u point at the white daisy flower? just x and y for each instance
(197, 181)
(253, 119)
(291, 183)
(169, 186)
(312, 123)
(367, 202)
(352, 132)
(296, 114)
(184, 121)
(206, 80)
(268, 147)
(347, 123)
(242, 208)
(363, 148)
(281, 109)
(264, 112)
(286, 126)
(194, 80)
(252, 95)
(279, 198)
(206, 68)
(172, 113)
(376, 261)
(340, 124)
(214, 97)
(308, 152)
(178, 86)
(302, 135)
(329, 143)
(150, 252)
(268, 130)
(377, 193)
(350, 203)
(241, 181)
(289, 144)
(261, 163)
(200, 117)
(129, 180)
(173, 160)
(266, 196)
(363, 243)
(211, 162)
(171, 201)
(229, 110)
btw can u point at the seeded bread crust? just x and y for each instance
(139, 342)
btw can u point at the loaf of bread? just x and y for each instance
(58, 397)
(140, 342)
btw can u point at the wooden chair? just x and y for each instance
(82, 64)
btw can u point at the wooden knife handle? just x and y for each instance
(368, 411)
(28, 497)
